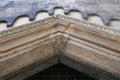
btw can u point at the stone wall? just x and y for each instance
(106, 9)
(60, 35)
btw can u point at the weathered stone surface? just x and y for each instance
(86, 68)
(32, 68)
(60, 35)
(10, 9)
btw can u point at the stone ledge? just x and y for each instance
(87, 68)
(58, 33)
(32, 68)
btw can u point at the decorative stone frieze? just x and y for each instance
(59, 35)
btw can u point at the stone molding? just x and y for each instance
(60, 34)
(113, 32)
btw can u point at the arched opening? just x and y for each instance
(75, 14)
(41, 15)
(95, 19)
(60, 72)
(3, 25)
(59, 10)
(21, 20)
(114, 24)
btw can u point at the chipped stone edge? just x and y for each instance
(14, 30)
(112, 32)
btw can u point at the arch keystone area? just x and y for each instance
(35, 46)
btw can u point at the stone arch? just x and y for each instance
(94, 18)
(21, 20)
(114, 23)
(76, 14)
(41, 15)
(58, 10)
(3, 25)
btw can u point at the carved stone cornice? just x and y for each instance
(48, 25)
(113, 33)
(80, 40)
(14, 30)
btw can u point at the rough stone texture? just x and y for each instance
(32, 68)
(87, 68)
(80, 40)
(107, 9)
